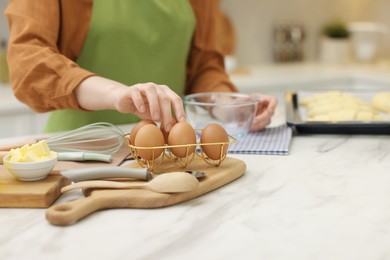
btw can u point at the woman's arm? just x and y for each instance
(146, 100)
(206, 70)
(205, 67)
(40, 75)
(46, 36)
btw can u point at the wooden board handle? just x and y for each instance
(70, 212)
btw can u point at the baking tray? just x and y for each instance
(296, 118)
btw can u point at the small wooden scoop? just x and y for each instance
(172, 182)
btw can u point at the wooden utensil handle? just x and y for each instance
(103, 184)
(70, 212)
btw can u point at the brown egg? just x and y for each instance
(214, 133)
(166, 134)
(149, 135)
(135, 129)
(180, 134)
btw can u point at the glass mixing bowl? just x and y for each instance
(233, 111)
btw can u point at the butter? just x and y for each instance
(34, 153)
(41, 149)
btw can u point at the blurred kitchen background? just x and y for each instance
(271, 33)
(255, 20)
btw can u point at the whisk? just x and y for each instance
(100, 138)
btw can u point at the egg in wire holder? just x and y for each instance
(181, 162)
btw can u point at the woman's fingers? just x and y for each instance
(265, 111)
(150, 91)
(155, 102)
(138, 101)
(177, 104)
(170, 101)
(260, 121)
(165, 107)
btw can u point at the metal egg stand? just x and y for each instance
(180, 162)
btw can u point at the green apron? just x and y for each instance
(132, 41)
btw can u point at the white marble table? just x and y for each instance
(328, 199)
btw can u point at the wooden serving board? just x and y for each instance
(70, 212)
(35, 194)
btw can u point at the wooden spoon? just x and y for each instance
(172, 182)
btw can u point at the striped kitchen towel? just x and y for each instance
(275, 140)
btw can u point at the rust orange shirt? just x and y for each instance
(46, 38)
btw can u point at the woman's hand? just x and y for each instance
(146, 100)
(265, 111)
(152, 101)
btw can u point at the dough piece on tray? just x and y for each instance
(336, 106)
(381, 101)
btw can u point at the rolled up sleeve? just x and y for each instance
(40, 75)
(205, 69)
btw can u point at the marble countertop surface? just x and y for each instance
(328, 199)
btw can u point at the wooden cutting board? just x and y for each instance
(42, 194)
(35, 194)
(70, 212)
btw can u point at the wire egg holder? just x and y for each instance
(180, 162)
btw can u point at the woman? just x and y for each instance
(115, 61)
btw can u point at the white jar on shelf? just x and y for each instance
(366, 38)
